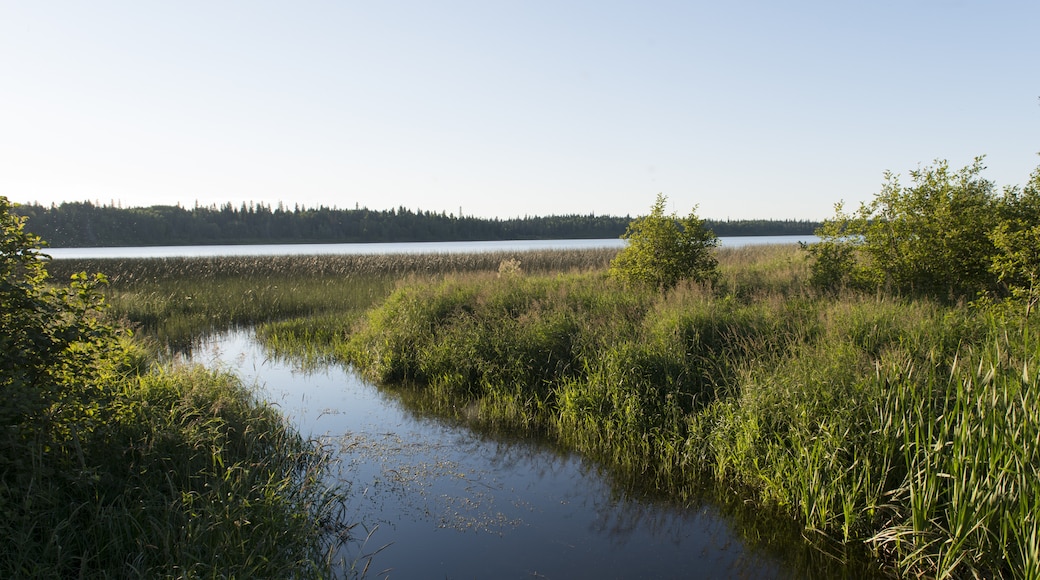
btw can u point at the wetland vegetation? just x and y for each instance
(880, 388)
(112, 465)
(908, 427)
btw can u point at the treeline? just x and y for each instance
(85, 224)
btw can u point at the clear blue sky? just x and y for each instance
(747, 109)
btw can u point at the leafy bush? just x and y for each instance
(950, 236)
(1017, 241)
(55, 351)
(662, 250)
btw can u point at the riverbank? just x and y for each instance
(188, 475)
(907, 428)
(113, 464)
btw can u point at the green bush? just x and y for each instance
(56, 351)
(1017, 241)
(933, 238)
(663, 249)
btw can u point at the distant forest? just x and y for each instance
(85, 224)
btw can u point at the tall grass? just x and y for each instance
(188, 476)
(178, 299)
(907, 428)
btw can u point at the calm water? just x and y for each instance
(398, 248)
(446, 502)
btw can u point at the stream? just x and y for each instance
(436, 500)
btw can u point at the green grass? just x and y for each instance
(179, 299)
(187, 476)
(907, 430)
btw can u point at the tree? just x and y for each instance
(664, 249)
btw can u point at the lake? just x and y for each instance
(394, 248)
(438, 500)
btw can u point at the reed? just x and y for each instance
(128, 272)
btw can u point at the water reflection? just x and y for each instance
(437, 500)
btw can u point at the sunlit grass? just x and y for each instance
(906, 429)
(178, 299)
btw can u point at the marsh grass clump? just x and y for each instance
(189, 476)
(476, 335)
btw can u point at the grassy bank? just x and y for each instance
(909, 428)
(112, 466)
(184, 475)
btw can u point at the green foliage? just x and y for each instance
(1017, 241)
(482, 336)
(833, 257)
(663, 249)
(109, 470)
(950, 236)
(907, 427)
(910, 427)
(56, 352)
(86, 224)
(189, 477)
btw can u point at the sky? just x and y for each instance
(740, 109)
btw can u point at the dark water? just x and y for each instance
(365, 249)
(440, 501)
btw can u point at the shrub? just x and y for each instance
(662, 250)
(55, 349)
(1017, 240)
(933, 238)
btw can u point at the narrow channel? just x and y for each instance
(434, 500)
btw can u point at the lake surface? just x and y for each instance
(443, 501)
(395, 248)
